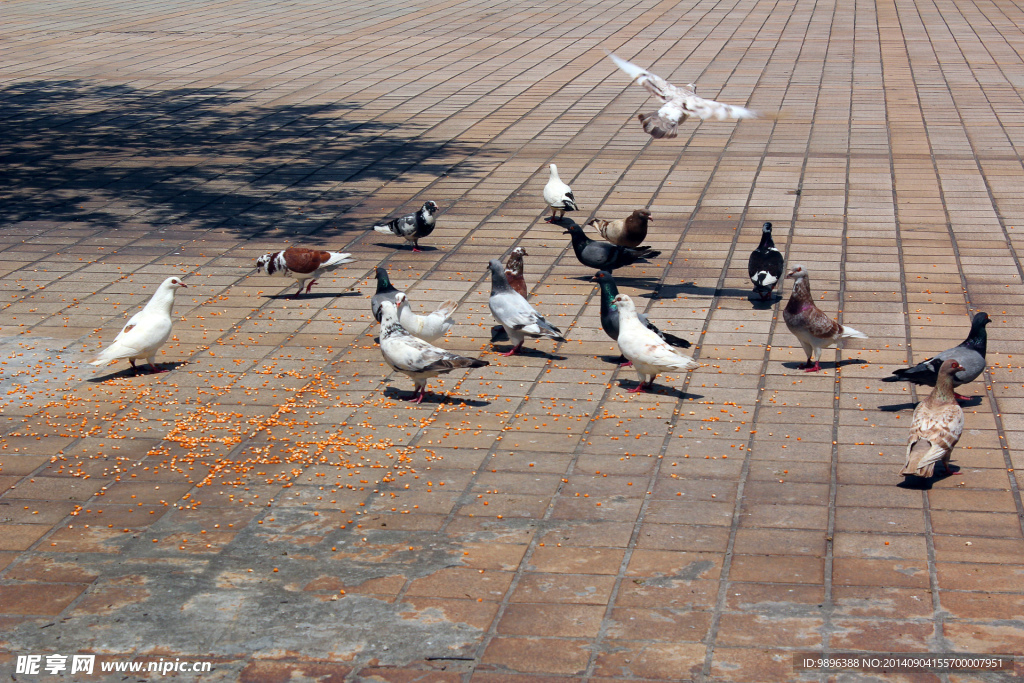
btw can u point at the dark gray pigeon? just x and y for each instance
(385, 292)
(604, 255)
(766, 263)
(970, 354)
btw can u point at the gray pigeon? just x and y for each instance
(970, 354)
(518, 317)
(413, 226)
(385, 292)
(415, 357)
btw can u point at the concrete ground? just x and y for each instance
(274, 506)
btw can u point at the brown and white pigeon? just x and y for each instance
(146, 331)
(514, 275)
(630, 231)
(814, 329)
(301, 264)
(679, 103)
(939, 420)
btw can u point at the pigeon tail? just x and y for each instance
(850, 333)
(658, 126)
(384, 228)
(675, 341)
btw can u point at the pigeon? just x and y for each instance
(301, 264)
(413, 226)
(610, 315)
(649, 353)
(146, 331)
(514, 275)
(426, 327)
(765, 266)
(814, 329)
(680, 103)
(558, 195)
(385, 292)
(970, 355)
(519, 318)
(625, 232)
(939, 420)
(602, 255)
(415, 357)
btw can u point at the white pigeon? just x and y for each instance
(680, 103)
(559, 196)
(146, 331)
(301, 264)
(415, 357)
(426, 327)
(649, 353)
(515, 314)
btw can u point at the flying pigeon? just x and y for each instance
(970, 355)
(426, 327)
(558, 195)
(765, 266)
(939, 420)
(649, 353)
(814, 329)
(146, 331)
(519, 318)
(301, 264)
(630, 231)
(413, 226)
(514, 275)
(610, 314)
(385, 292)
(602, 255)
(680, 103)
(415, 357)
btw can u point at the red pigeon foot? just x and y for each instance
(156, 369)
(627, 364)
(961, 398)
(513, 351)
(309, 286)
(638, 389)
(812, 368)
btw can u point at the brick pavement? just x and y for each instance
(273, 505)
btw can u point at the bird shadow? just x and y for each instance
(794, 365)
(693, 289)
(533, 352)
(660, 389)
(142, 371)
(916, 483)
(432, 397)
(759, 304)
(617, 360)
(897, 407)
(404, 247)
(313, 295)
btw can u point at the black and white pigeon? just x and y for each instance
(416, 358)
(679, 103)
(766, 264)
(604, 255)
(385, 292)
(512, 311)
(302, 264)
(413, 226)
(969, 354)
(559, 196)
(146, 331)
(610, 315)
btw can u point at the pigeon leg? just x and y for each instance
(551, 218)
(416, 246)
(309, 286)
(812, 368)
(418, 396)
(638, 389)
(135, 370)
(156, 369)
(514, 350)
(296, 294)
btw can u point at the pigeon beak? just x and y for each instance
(182, 284)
